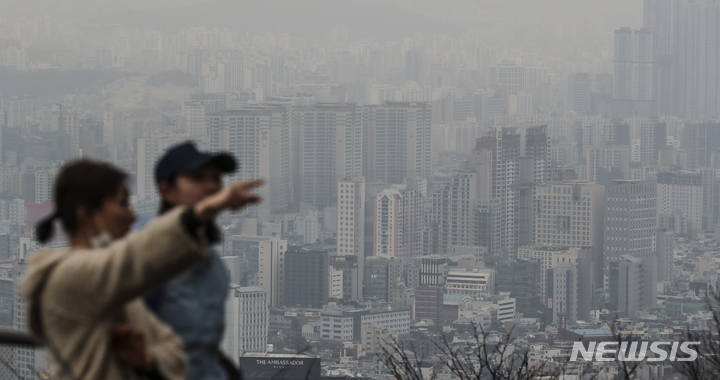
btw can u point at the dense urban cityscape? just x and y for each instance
(544, 183)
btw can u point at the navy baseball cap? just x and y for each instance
(185, 158)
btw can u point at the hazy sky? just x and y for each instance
(270, 13)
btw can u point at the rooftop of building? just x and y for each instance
(246, 289)
(354, 311)
(454, 298)
(549, 247)
(276, 355)
(593, 332)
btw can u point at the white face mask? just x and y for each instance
(103, 239)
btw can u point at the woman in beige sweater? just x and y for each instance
(83, 301)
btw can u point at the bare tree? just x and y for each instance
(708, 364)
(474, 359)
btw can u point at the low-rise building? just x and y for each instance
(346, 324)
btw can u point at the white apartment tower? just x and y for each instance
(497, 158)
(633, 65)
(697, 59)
(509, 77)
(607, 158)
(193, 120)
(550, 256)
(630, 219)
(259, 138)
(572, 214)
(630, 231)
(399, 141)
(66, 122)
(480, 204)
(351, 223)
(271, 267)
(399, 223)
(114, 127)
(149, 152)
(680, 202)
(44, 182)
(452, 216)
(246, 321)
(28, 360)
(330, 149)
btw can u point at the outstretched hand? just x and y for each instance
(240, 195)
(233, 197)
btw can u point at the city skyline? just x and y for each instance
(551, 166)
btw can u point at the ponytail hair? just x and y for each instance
(45, 229)
(81, 183)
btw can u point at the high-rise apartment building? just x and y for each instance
(572, 214)
(217, 101)
(659, 17)
(512, 159)
(451, 221)
(428, 303)
(306, 278)
(44, 182)
(521, 279)
(66, 122)
(192, 120)
(580, 94)
(246, 321)
(606, 160)
(487, 220)
(351, 224)
(553, 256)
(18, 111)
(398, 142)
(114, 127)
(536, 148)
(630, 219)
(664, 244)
(697, 59)
(653, 138)
(270, 266)
(376, 283)
(534, 163)
(630, 231)
(711, 196)
(259, 138)
(700, 140)
(496, 156)
(511, 78)
(564, 278)
(149, 151)
(480, 205)
(415, 67)
(633, 71)
(28, 360)
(561, 294)
(432, 270)
(680, 202)
(399, 223)
(330, 142)
(348, 288)
(630, 288)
